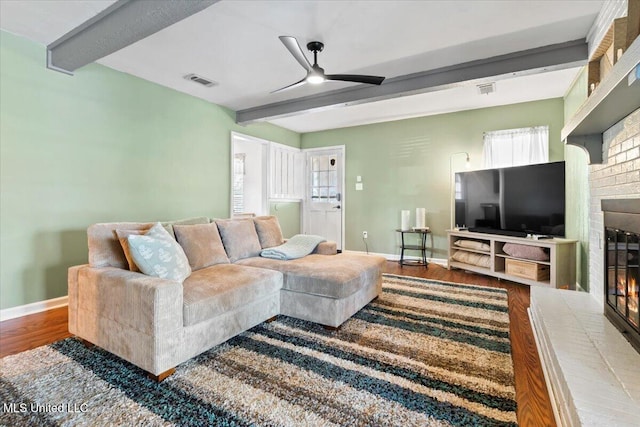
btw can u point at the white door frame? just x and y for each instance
(305, 219)
(265, 163)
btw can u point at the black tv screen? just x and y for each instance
(519, 200)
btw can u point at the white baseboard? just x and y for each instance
(395, 257)
(35, 307)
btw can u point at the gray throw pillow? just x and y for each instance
(239, 238)
(157, 254)
(533, 253)
(201, 244)
(269, 231)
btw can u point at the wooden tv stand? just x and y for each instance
(560, 269)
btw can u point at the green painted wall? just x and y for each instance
(406, 164)
(576, 95)
(98, 146)
(577, 208)
(288, 214)
(577, 176)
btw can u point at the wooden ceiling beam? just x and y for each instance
(121, 24)
(532, 61)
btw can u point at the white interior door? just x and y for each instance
(324, 200)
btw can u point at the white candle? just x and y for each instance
(421, 217)
(406, 220)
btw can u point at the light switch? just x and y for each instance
(358, 186)
(358, 178)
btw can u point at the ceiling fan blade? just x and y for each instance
(292, 46)
(291, 86)
(356, 78)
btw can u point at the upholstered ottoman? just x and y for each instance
(325, 289)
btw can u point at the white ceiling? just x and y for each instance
(235, 43)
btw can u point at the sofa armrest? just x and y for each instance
(146, 304)
(326, 248)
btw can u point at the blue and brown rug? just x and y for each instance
(425, 353)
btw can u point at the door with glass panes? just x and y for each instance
(324, 213)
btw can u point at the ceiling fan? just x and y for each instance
(315, 73)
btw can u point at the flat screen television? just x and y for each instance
(515, 201)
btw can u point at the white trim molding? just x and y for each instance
(395, 257)
(35, 307)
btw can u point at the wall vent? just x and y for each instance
(486, 88)
(201, 80)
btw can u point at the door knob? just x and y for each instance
(336, 207)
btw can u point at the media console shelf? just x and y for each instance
(558, 272)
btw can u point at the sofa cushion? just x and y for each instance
(105, 249)
(168, 225)
(239, 238)
(201, 244)
(218, 289)
(326, 248)
(104, 246)
(269, 231)
(333, 276)
(156, 253)
(124, 242)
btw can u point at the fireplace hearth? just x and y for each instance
(622, 266)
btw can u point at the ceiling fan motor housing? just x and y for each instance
(315, 46)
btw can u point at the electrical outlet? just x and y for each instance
(365, 235)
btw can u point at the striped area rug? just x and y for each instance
(425, 353)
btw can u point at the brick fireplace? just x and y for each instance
(618, 177)
(592, 372)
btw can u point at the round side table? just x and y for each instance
(421, 246)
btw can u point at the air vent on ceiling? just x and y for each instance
(199, 79)
(487, 88)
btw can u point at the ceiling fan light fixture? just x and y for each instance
(315, 79)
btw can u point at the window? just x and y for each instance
(324, 179)
(458, 188)
(515, 147)
(238, 183)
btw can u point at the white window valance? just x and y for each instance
(516, 147)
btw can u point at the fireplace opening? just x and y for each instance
(622, 266)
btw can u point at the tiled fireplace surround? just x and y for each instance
(593, 372)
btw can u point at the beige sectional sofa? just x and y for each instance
(157, 323)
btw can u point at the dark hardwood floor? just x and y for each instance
(534, 406)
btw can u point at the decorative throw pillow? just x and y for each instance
(157, 254)
(201, 244)
(269, 231)
(472, 258)
(534, 253)
(122, 238)
(473, 244)
(239, 238)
